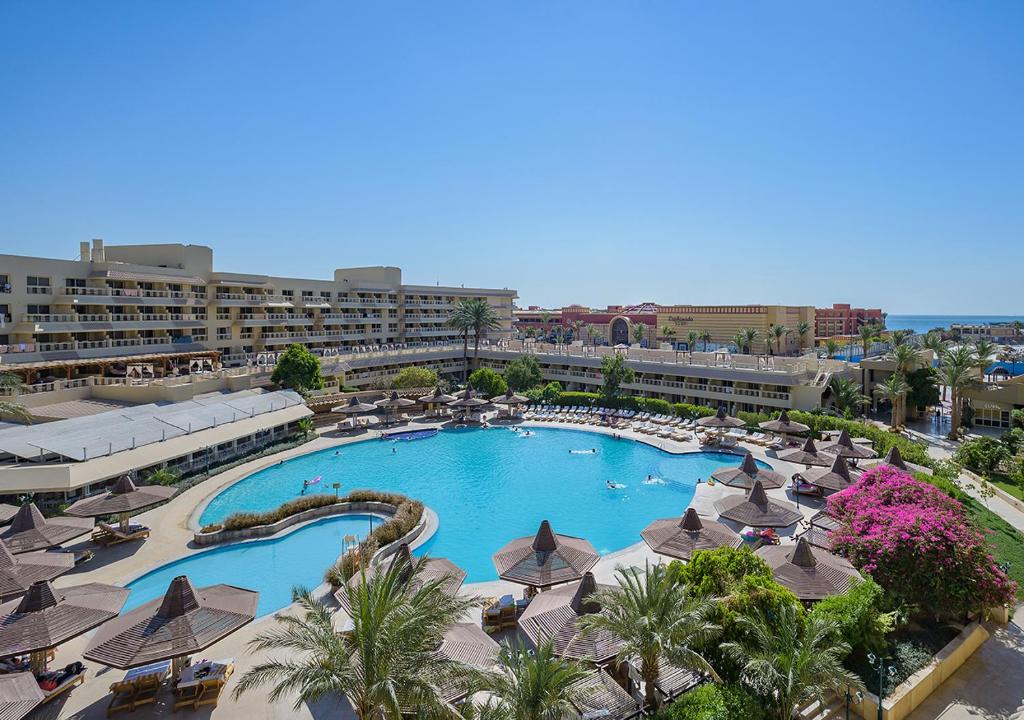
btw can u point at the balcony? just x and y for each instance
(367, 302)
(437, 332)
(80, 322)
(248, 300)
(128, 296)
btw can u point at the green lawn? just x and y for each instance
(1006, 541)
(1007, 485)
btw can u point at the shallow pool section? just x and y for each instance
(272, 566)
(489, 486)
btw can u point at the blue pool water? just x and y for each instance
(270, 566)
(489, 486)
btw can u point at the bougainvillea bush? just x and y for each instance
(917, 543)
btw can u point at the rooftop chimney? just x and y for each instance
(97, 250)
(83, 251)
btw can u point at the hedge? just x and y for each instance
(243, 520)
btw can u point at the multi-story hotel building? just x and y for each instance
(165, 304)
(672, 324)
(843, 320)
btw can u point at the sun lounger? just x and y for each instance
(500, 613)
(140, 686)
(56, 683)
(107, 535)
(202, 683)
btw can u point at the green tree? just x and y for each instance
(305, 427)
(958, 373)
(984, 352)
(658, 619)
(415, 377)
(790, 661)
(803, 329)
(298, 369)
(779, 333)
(639, 330)
(523, 373)
(868, 333)
(983, 455)
(714, 701)
(668, 332)
(832, 348)
(924, 391)
(535, 685)
(163, 476)
(899, 337)
(691, 340)
(488, 382)
(387, 662)
(894, 389)
(860, 617)
(615, 373)
(705, 337)
(591, 334)
(577, 329)
(932, 340)
(11, 384)
(481, 318)
(846, 396)
(738, 340)
(750, 336)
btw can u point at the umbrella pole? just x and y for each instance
(177, 665)
(37, 661)
(125, 522)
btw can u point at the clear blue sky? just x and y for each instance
(589, 152)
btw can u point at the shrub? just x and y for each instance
(860, 615)
(907, 658)
(213, 527)
(415, 377)
(714, 701)
(523, 373)
(488, 382)
(918, 543)
(243, 520)
(298, 369)
(692, 412)
(983, 455)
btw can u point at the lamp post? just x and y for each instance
(856, 695)
(879, 664)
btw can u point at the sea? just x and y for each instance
(924, 323)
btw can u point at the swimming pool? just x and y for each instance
(489, 486)
(271, 566)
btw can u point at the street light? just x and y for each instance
(856, 695)
(878, 663)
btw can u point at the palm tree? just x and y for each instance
(705, 337)
(802, 329)
(480, 317)
(984, 351)
(638, 332)
(868, 333)
(533, 686)
(691, 339)
(905, 356)
(386, 663)
(895, 389)
(577, 327)
(899, 337)
(737, 340)
(957, 373)
(591, 333)
(832, 347)
(778, 332)
(12, 383)
(846, 395)
(932, 340)
(790, 661)
(460, 321)
(658, 619)
(669, 332)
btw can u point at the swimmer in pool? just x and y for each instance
(394, 451)
(611, 485)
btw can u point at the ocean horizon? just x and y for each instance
(924, 323)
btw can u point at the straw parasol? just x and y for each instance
(394, 402)
(7, 513)
(124, 498)
(598, 695)
(467, 399)
(836, 478)
(810, 574)
(354, 407)
(784, 425)
(807, 454)
(510, 399)
(437, 398)
(182, 622)
(555, 615)
(747, 474)
(820, 530)
(845, 447)
(756, 510)
(720, 420)
(450, 575)
(467, 644)
(895, 459)
(31, 531)
(545, 559)
(18, 572)
(44, 618)
(681, 538)
(19, 695)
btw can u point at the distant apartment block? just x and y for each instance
(841, 319)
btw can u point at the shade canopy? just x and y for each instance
(756, 510)
(437, 397)
(720, 420)
(44, 618)
(509, 398)
(450, 575)
(782, 424)
(836, 478)
(18, 572)
(598, 695)
(182, 622)
(467, 399)
(807, 454)
(812, 574)
(682, 537)
(545, 559)
(467, 644)
(554, 616)
(124, 497)
(845, 447)
(394, 401)
(31, 531)
(7, 513)
(820, 531)
(895, 459)
(19, 695)
(747, 474)
(354, 407)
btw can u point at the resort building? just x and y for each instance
(841, 320)
(158, 310)
(994, 403)
(1006, 333)
(77, 456)
(672, 324)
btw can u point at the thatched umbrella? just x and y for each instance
(45, 618)
(895, 459)
(354, 407)
(182, 622)
(510, 399)
(554, 616)
(7, 513)
(756, 510)
(681, 538)
(31, 531)
(783, 425)
(394, 402)
(598, 695)
(836, 478)
(436, 398)
(442, 569)
(807, 454)
(545, 559)
(467, 399)
(818, 534)
(18, 572)
(19, 695)
(720, 420)
(810, 574)
(467, 644)
(845, 447)
(124, 498)
(747, 474)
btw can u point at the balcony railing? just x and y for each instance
(111, 317)
(131, 293)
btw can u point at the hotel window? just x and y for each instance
(288, 293)
(74, 282)
(38, 309)
(325, 294)
(5, 313)
(37, 285)
(223, 333)
(5, 284)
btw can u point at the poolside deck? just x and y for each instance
(172, 532)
